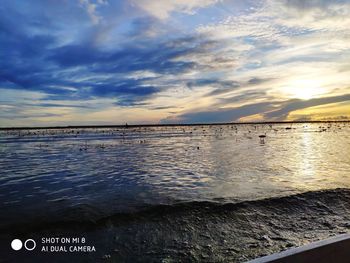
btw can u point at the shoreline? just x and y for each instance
(166, 125)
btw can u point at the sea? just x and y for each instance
(85, 174)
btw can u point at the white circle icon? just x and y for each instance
(29, 244)
(16, 244)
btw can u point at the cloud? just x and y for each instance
(292, 105)
(25, 116)
(203, 58)
(272, 110)
(80, 71)
(244, 97)
(220, 115)
(91, 9)
(163, 9)
(219, 86)
(257, 81)
(147, 27)
(163, 57)
(311, 15)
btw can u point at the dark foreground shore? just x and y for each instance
(189, 232)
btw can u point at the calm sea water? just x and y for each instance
(101, 171)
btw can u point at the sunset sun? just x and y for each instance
(305, 89)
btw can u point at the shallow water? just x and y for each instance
(97, 172)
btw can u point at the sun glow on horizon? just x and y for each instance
(305, 89)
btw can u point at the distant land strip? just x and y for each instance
(167, 125)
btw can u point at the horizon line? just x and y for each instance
(163, 125)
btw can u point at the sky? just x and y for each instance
(85, 62)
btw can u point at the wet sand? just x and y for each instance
(194, 231)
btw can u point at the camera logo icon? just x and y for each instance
(17, 244)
